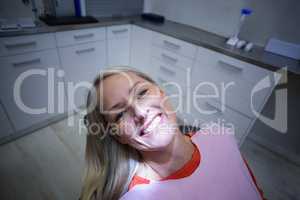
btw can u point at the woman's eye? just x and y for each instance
(119, 116)
(142, 93)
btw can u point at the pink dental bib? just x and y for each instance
(222, 174)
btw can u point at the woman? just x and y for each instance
(135, 150)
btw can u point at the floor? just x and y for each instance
(48, 164)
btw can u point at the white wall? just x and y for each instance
(217, 16)
(14, 8)
(271, 18)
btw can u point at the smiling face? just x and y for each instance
(139, 110)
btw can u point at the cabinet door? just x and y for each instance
(38, 90)
(118, 47)
(140, 48)
(234, 80)
(81, 64)
(6, 127)
(118, 52)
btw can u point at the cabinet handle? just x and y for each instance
(232, 66)
(215, 106)
(85, 50)
(20, 45)
(169, 58)
(166, 70)
(27, 62)
(119, 31)
(83, 36)
(171, 45)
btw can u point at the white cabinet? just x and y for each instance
(231, 87)
(140, 49)
(234, 80)
(228, 84)
(83, 55)
(81, 64)
(178, 66)
(67, 38)
(6, 127)
(118, 45)
(174, 45)
(36, 99)
(171, 63)
(24, 44)
(118, 52)
(174, 78)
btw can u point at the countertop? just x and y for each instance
(180, 31)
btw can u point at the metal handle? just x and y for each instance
(20, 45)
(232, 66)
(168, 71)
(171, 45)
(85, 50)
(27, 62)
(83, 36)
(169, 58)
(214, 106)
(119, 31)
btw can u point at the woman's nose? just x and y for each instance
(139, 113)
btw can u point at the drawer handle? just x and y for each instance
(120, 31)
(171, 45)
(232, 66)
(83, 36)
(27, 62)
(215, 107)
(20, 45)
(169, 58)
(166, 70)
(85, 50)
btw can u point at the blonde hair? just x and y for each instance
(110, 164)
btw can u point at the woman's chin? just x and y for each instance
(158, 139)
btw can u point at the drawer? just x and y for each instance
(174, 45)
(81, 64)
(23, 44)
(121, 31)
(170, 58)
(231, 67)
(38, 90)
(67, 38)
(206, 110)
(175, 79)
(229, 77)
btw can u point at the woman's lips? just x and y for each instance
(151, 124)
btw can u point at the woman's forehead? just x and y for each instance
(116, 87)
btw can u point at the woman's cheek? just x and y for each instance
(128, 129)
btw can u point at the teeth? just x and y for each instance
(153, 124)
